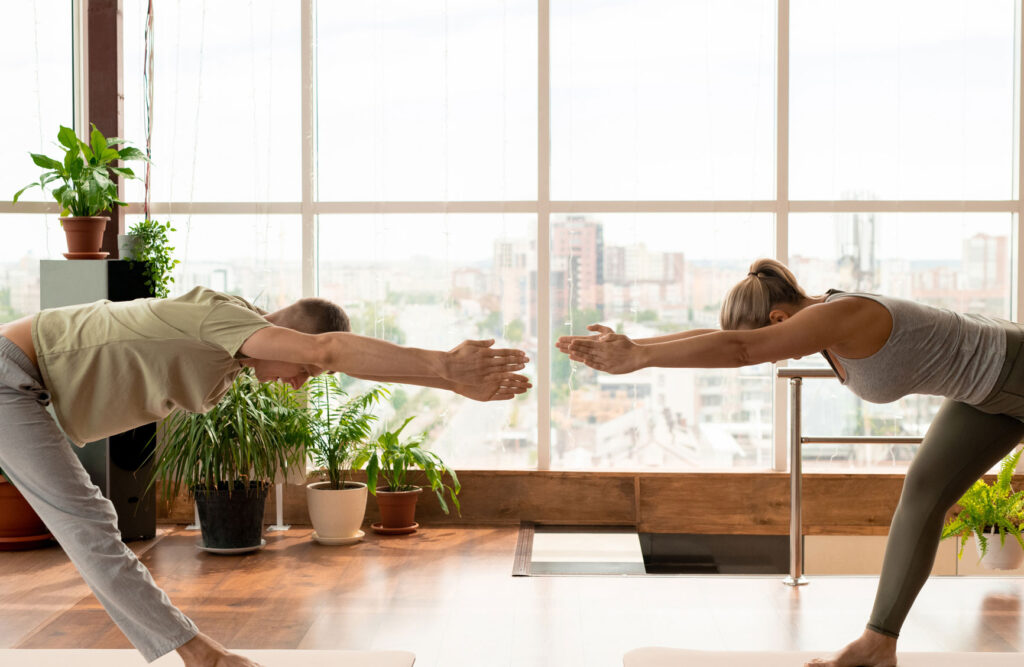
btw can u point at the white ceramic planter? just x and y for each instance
(1000, 556)
(336, 513)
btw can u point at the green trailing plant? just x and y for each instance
(340, 428)
(153, 249)
(391, 460)
(987, 507)
(255, 430)
(86, 172)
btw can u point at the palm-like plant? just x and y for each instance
(391, 459)
(255, 430)
(986, 507)
(339, 429)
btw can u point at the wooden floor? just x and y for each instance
(447, 594)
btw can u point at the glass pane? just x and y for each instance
(951, 260)
(227, 99)
(27, 239)
(37, 75)
(256, 257)
(901, 100)
(432, 281)
(662, 99)
(427, 100)
(646, 275)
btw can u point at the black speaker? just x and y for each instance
(118, 465)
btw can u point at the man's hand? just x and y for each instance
(500, 388)
(608, 351)
(476, 362)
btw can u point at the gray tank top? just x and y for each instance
(929, 351)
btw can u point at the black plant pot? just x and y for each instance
(232, 520)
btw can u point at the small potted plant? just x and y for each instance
(226, 458)
(390, 460)
(990, 510)
(20, 526)
(88, 187)
(337, 505)
(147, 242)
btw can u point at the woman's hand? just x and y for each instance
(608, 351)
(564, 343)
(501, 387)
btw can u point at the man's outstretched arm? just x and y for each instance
(471, 362)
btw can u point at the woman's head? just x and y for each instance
(749, 303)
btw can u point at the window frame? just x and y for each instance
(310, 207)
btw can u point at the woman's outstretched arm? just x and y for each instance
(809, 331)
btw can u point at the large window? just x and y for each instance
(37, 75)
(519, 169)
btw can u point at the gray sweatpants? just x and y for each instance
(37, 458)
(962, 443)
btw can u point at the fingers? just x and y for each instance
(600, 328)
(480, 343)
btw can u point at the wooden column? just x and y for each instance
(106, 91)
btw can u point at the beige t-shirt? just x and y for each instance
(112, 366)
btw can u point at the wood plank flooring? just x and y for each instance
(447, 594)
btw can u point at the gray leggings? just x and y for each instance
(962, 444)
(37, 458)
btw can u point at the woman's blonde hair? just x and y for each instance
(768, 284)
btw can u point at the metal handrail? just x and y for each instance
(796, 440)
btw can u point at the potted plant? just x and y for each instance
(391, 459)
(20, 526)
(226, 458)
(88, 187)
(147, 242)
(990, 510)
(337, 505)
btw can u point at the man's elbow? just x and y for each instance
(324, 352)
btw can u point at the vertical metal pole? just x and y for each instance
(279, 501)
(796, 546)
(195, 524)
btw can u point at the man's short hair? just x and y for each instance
(315, 316)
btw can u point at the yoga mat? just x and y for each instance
(674, 657)
(130, 658)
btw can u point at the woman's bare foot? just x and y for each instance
(202, 651)
(872, 649)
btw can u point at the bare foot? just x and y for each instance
(202, 651)
(870, 650)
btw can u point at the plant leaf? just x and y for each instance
(67, 137)
(46, 162)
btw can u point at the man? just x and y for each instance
(108, 367)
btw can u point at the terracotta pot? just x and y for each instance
(20, 527)
(84, 234)
(397, 508)
(336, 513)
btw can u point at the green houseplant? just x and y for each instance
(147, 242)
(391, 461)
(226, 458)
(20, 526)
(341, 424)
(987, 510)
(88, 185)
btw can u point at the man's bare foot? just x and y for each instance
(870, 650)
(202, 651)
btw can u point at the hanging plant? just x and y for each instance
(153, 249)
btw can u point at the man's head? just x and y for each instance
(311, 315)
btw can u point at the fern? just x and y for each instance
(987, 507)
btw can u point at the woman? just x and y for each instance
(882, 348)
